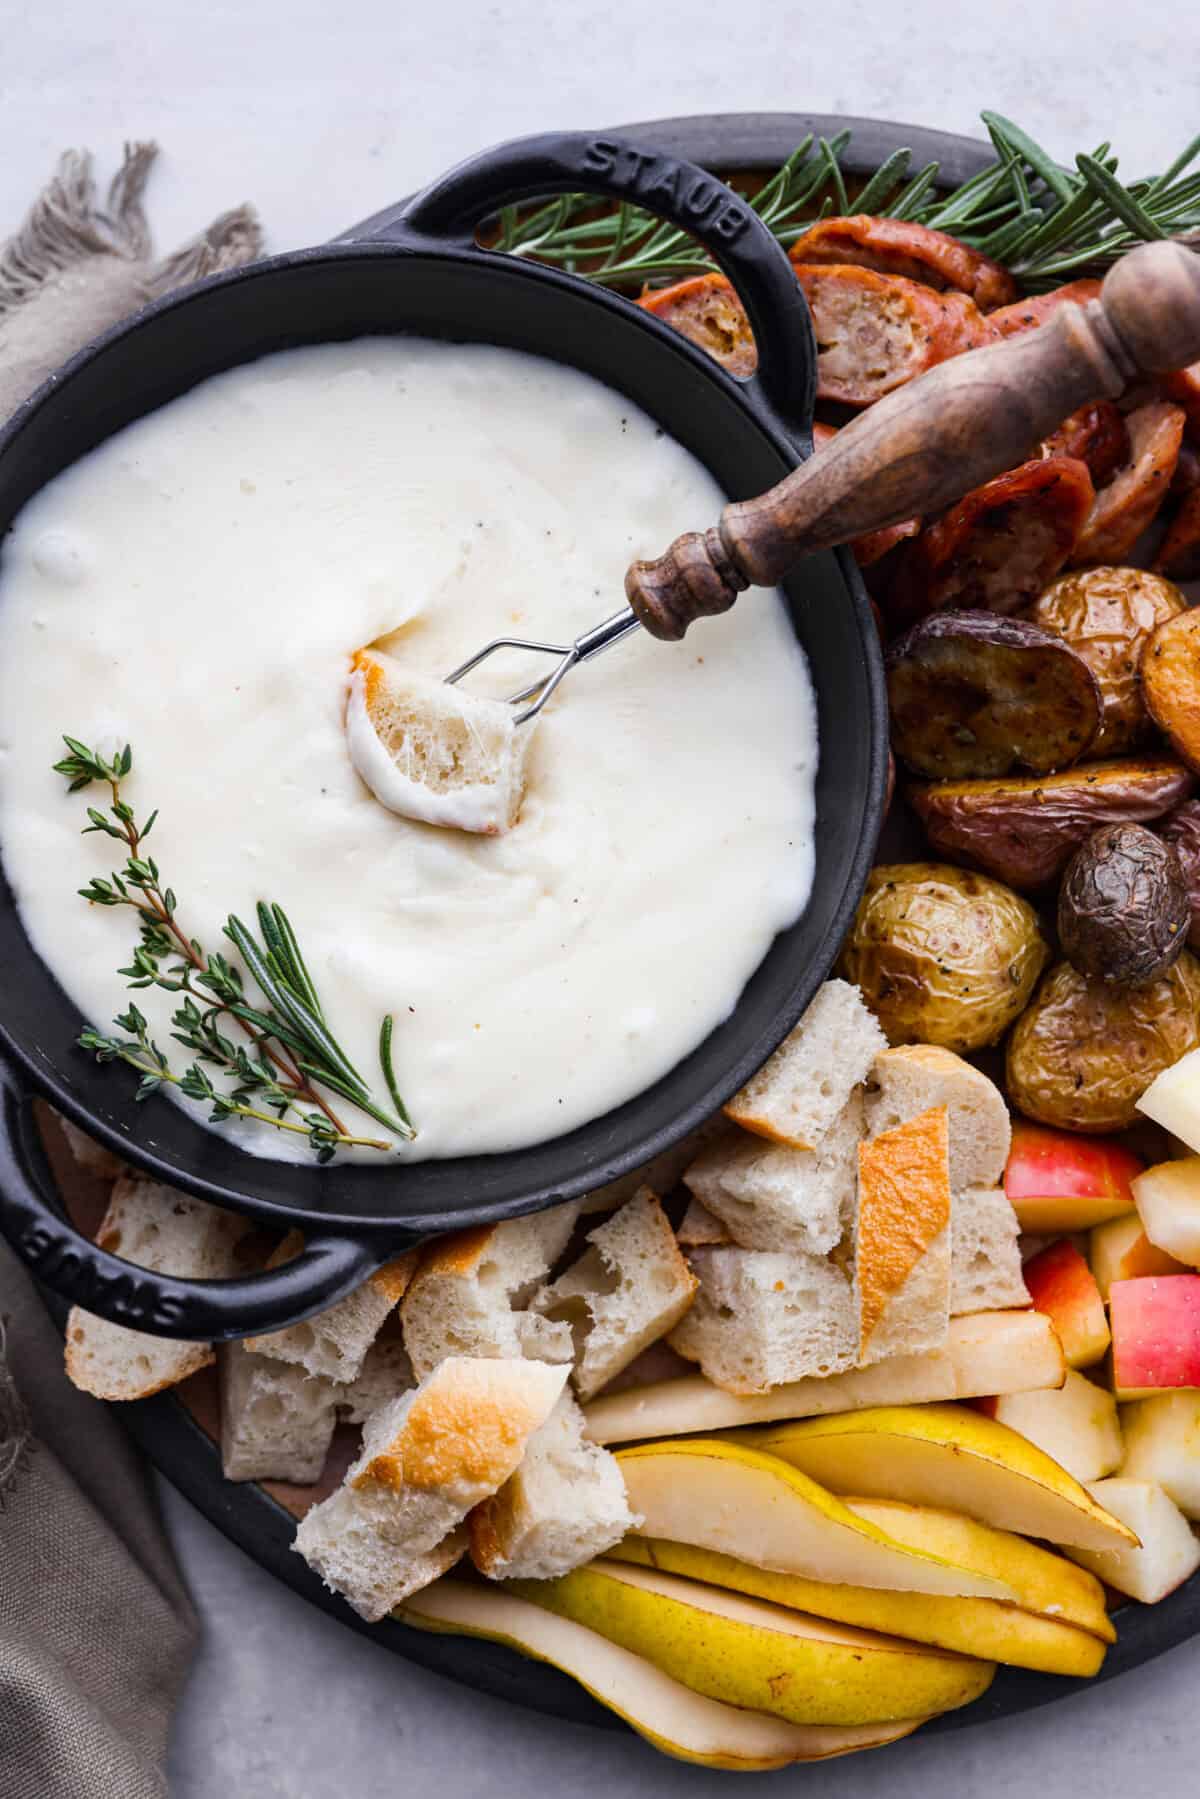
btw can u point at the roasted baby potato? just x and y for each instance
(1108, 615)
(1123, 907)
(1171, 683)
(1000, 545)
(875, 332)
(942, 955)
(1182, 831)
(899, 247)
(1083, 1054)
(1025, 831)
(975, 694)
(1130, 502)
(1183, 387)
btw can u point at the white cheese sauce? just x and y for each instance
(197, 586)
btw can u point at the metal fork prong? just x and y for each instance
(570, 658)
(506, 643)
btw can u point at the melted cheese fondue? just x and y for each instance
(197, 586)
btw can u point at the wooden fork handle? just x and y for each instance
(934, 440)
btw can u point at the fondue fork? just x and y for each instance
(600, 637)
(911, 454)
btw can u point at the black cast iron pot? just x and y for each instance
(424, 274)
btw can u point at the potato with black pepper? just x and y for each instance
(1025, 829)
(1107, 615)
(1123, 908)
(1182, 831)
(943, 955)
(1084, 1053)
(973, 694)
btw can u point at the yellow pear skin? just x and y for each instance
(981, 1627)
(733, 1498)
(746, 1653)
(948, 1455)
(670, 1716)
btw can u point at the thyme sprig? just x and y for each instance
(292, 1053)
(1048, 224)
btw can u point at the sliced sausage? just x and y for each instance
(1097, 435)
(1129, 502)
(707, 310)
(1027, 314)
(1000, 545)
(875, 332)
(1182, 386)
(1179, 552)
(898, 247)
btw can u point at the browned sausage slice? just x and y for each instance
(875, 332)
(1098, 435)
(1000, 545)
(1183, 387)
(1027, 314)
(1128, 504)
(706, 309)
(898, 247)
(1179, 553)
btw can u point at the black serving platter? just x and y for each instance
(180, 1448)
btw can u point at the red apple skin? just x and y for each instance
(1060, 1182)
(1062, 1286)
(1156, 1333)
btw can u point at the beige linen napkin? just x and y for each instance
(96, 1628)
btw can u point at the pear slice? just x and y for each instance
(981, 1627)
(669, 1715)
(988, 1353)
(947, 1455)
(722, 1495)
(1046, 1584)
(744, 1652)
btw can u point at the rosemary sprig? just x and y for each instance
(292, 1054)
(1048, 223)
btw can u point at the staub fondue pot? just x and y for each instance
(424, 274)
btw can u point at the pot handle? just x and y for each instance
(202, 1311)
(526, 168)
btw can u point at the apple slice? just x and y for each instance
(1173, 1099)
(988, 1352)
(1162, 1444)
(1049, 1640)
(1168, 1203)
(727, 1496)
(946, 1455)
(744, 1652)
(1121, 1251)
(669, 1715)
(1062, 1285)
(1168, 1553)
(1077, 1425)
(1057, 1181)
(1156, 1334)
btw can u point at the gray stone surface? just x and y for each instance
(322, 115)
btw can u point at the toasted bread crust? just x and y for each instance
(469, 1423)
(904, 1205)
